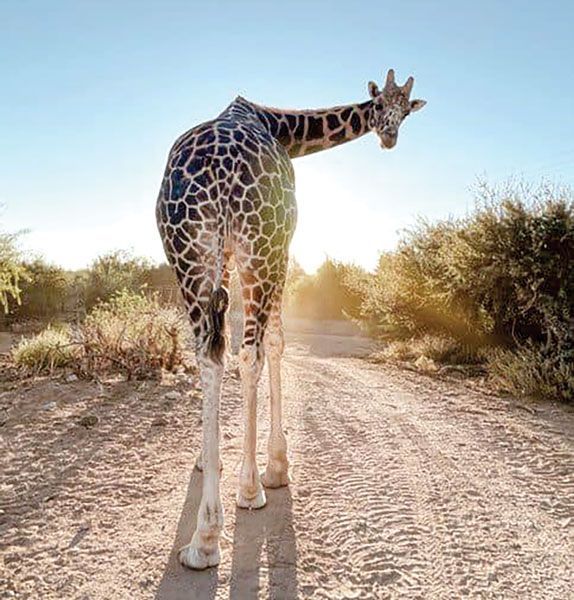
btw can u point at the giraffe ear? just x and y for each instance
(373, 89)
(417, 105)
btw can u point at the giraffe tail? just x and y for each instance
(217, 307)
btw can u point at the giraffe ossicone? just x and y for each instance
(228, 192)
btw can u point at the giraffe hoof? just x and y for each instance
(251, 503)
(196, 558)
(275, 479)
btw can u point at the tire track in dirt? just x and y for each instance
(366, 509)
(419, 477)
(486, 516)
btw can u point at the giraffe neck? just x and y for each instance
(304, 132)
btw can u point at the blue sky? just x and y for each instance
(94, 93)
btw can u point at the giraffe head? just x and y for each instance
(390, 107)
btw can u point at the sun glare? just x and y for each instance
(336, 221)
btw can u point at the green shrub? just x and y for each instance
(295, 273)
(423, 287)
(112, 273)
(44, 293)
(46, 351)
(501, 277)
(502, 274)
(12, 271)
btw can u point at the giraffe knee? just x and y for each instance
(250, 360)
(207, 363)
(274, 342)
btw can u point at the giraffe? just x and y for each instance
(227, 200)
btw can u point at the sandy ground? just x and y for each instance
(402, 487)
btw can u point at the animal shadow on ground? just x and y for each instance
(269, 529)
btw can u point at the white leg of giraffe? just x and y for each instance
(250, 493)
(203, 551)
(199, 461)
(277, 465)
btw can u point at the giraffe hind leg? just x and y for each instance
(256, 307)
(203, 550)
(207, 312)
(276, 472)
(250, 493)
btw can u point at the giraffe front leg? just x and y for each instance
(250, 493)
(276, 472)
(203, 550)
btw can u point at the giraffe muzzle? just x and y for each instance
(388, 141)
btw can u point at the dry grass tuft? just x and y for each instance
(46, 351)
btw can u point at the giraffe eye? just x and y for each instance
(378, 107)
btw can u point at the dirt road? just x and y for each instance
(402, 487)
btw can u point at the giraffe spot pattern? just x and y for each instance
(229, 188)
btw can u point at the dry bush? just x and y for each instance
(531, 371)
(129, 333)
(427, 353)
(46, 351)
(134, 335)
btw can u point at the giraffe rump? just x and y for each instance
(216, 311)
